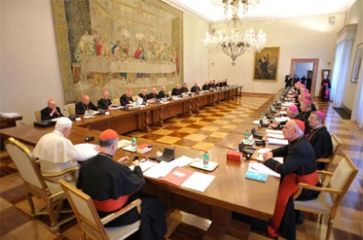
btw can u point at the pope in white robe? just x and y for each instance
(57, 153)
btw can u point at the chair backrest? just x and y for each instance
(37, 115)
(342, 178)
(336, 144)
(85, 211)
(27, 167)
(116, 101)
(65, 111)
(71, 108)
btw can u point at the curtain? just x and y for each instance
(341, 65)
(357, 113)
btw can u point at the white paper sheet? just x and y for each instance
(279, 159)
(144, 165)
(260, 168)
(86, 150)
(273, 135)
(160, 169)
(261, 152)
(10, 114)
(275, 141)
(287, 104)
(256, 122)
(198, 181)
(181, 161)
(274, 131)
(123, 143)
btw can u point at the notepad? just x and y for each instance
(198, 181)
(177, 176)
(261, 168)
(209, 167)
(275, 141)
(259, 177)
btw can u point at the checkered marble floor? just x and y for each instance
(200, 131)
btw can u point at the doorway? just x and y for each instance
(308, 68)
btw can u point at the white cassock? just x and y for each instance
(56, 153)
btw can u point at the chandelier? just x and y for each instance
(232, 40)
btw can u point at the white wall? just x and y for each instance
(29, 68)
(195, 54)
(29, 61)
(354, 16)
(303, 37)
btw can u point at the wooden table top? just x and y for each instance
(229, 189)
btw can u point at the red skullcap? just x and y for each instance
(293, 108)
(321, 114)
(300, 124)
(108, 134)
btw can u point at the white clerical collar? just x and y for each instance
(58, 132)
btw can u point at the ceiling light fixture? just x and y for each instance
(232, 40)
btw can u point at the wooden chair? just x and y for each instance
(71, 108)
(36, 185)
(336, 146)
(88, 220)
(332, 193)
(37, 115)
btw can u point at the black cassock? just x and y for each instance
(45, 114)
(104, 103)
(320, 139)
(298, 166)
(81, 108)
(124, 100)
(112, 185)
(195, 89)
(176, 92)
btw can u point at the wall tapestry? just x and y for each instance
(266, 64)
(117, 44)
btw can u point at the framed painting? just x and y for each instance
(357, 62)
(266, 64)
(325, 74)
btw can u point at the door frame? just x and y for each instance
(315, 62)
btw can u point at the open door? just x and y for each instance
(310, 73)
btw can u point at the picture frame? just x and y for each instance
(358, 58)
(325, 73)
(266, 64)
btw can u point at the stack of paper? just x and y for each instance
(273, 135)
(275, 141)
(10, 114)
(274, 131)
(123, 143)
(198, 181)
(261, 168)
(282, 119)
(160, 169)
(86, 151)
(115, 107)
(287, 104)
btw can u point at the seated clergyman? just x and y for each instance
(51, 111)
(85, 105)
(112, 184)
(105, 101)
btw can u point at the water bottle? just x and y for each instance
(205, 159)
(133, 143)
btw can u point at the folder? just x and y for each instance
(177, 176)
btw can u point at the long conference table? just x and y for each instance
(229, 191)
